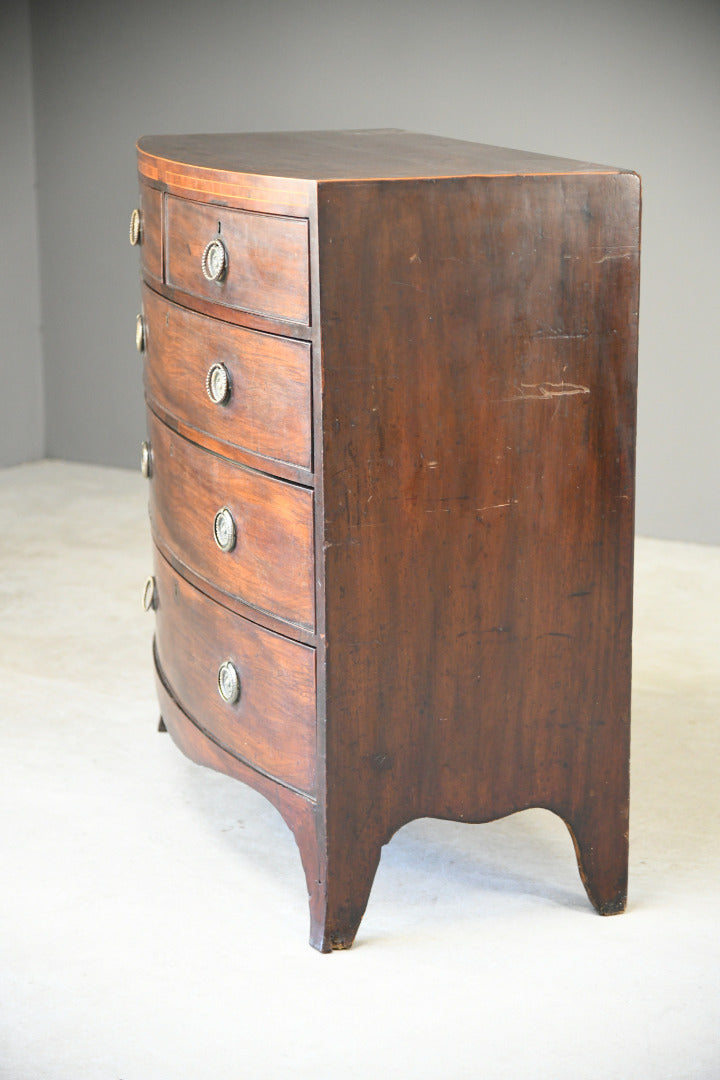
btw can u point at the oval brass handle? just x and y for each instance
(146, 459)
(224, 530)
(149, 596)
(140, 334)
(217, 384)
(135, 227)
(228, 682)
(214, 260)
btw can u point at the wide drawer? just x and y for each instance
(267, 409)
(272, 723)
(271, 563)
(267, 258)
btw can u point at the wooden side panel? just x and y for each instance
(271, 565)
(151, 231)
(269, 409)
(268, 261)
(479, 355)
(272, 725)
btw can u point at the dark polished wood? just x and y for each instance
(267, 258)
(478, 568)
(272, 725)
(151, 232)
(272, 563)
(251, 320)
(269, 406)
(294, 160)
(473, 336)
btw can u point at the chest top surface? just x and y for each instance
(349, 155)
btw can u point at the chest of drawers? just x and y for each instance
(390, 382)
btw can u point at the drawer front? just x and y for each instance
(271, 564)
(151, 231)
(267, 267)
(272, 724)
(268, 405)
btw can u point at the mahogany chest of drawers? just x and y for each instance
(390, 383)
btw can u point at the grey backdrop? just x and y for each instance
(22, 407)
(634, 83)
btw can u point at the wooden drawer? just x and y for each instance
(272, 724)
(151, 231)
(268, 410)
(271, 565)
(267, 258)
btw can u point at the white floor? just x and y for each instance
(153, 921)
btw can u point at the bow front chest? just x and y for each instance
(390, 385)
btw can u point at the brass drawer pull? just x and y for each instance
(217, 384)
(140, 334)
(214, 260)
(224, 530)
(135, 227)
(146, 459)
(228, 682)
(149, 596)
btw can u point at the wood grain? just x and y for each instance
(272, 563)
(151, 232)
(478, 459)
(268, 268)
(291, 160)
(272, 726)
(269, 410)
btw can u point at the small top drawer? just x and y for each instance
(149, 231)
(258, 262)
(250, 390)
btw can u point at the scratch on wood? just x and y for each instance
(340, 543)
(495, 506)
(407, 284)
(548, 390)
(555, 332)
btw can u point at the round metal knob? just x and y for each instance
(228, 682)
(149, 596)
(214, 260)
(146, 459)
(135, 227)
(224, 530)
(140, 334)
(217, 384)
